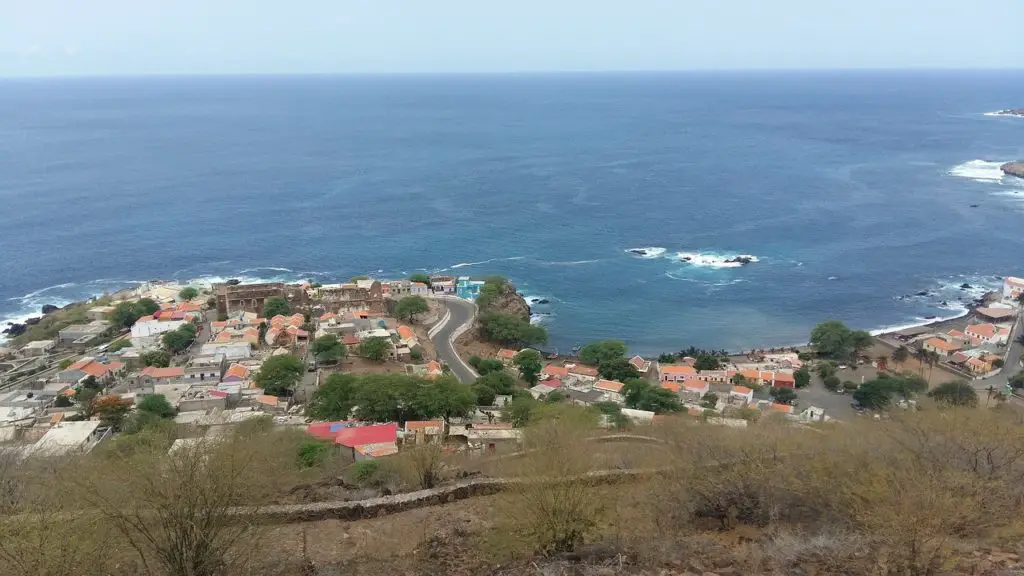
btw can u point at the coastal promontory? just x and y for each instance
(1013, 169)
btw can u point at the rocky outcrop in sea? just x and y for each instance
(1013, 168)
(1010, 112)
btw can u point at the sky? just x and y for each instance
(129, 37)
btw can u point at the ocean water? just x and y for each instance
(853, 190)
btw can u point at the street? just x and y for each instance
(462, 313)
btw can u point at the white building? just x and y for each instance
(230, 350)
(146, 332)
(1012, 289)
(37, 348)
(67, 438)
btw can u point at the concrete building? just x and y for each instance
(104, 372)
(67, 438)
(1012, 289)
(467, 288)
(99, 312)
(81, 334)
(205, 368)
(246, 297)
(37, 348)
(365, 295)
(230, 351)
(147, 332)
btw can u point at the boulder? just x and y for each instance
(1013, 169)
(32, 321)
(49, 309)
(15, 329)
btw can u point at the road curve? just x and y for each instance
(461, 315)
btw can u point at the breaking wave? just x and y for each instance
(711, 260)
(467, 264)
(647, 253)
(979, 171)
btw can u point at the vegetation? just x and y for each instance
(596, 353)
(327, 349)
(956, 393)
(639, 394)
(706, 362)
(802, 377)
(519, 411)
(125, 314)
(832, 339)
(65, 363)
(157, 405)
(313, 453)
(492, 289)
(500, 382)
(375, 348)
(155, 358)
(179, 339)
(119, 345)
(485, 367)
(421, 278)
(390, 397)
(617, 369)
(668, 358)
(111, 409)
(879, 393)
(530, 364)
(407, 308)
(783, 395)
(511, 330)
(279, 374)
(833, 383)
(709, 401)
(276, 306)
(188, 293)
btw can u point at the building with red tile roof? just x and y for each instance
(89, 367)
(941, 347)
(641, 365)
(582, 371)
(236, 373)
(552, 370)
(676, 373)
(609, 386)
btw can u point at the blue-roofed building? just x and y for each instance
(468, 289)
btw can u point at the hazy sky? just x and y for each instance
(45, 37)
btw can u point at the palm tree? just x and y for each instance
(933, 359)
(921, 355)
(900, 355)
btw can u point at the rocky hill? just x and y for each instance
(1013, 169)
(502, 296)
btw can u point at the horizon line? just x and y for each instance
(566, 72)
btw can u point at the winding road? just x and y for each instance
(457, 318)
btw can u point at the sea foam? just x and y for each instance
(979, 170)
(648, 253)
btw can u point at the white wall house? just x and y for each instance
(147, 332)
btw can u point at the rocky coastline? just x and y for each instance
(18, 328)
(1010, 112)
(1015, 169)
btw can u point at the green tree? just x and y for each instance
(327, 349)
(179, 339)
(511, 330)
(384, 397)
(111, 409)
(832, 339)
(955, 393)
(529, 363)
(826, 369)
(709, 401)
(119, 345)
(900, 356)
(783, 395)
(484, 367)
(261, 333)
(421, 278)
(833, 383)
(445, 397)
(334, 399)
(874, 395)
(485, 395)
(633, 391)
(739, 380)
(313, 453)
(125, 314)
(603, 351)
(659, 400)
(706, 362)
(188, 293)
(519, 411)
(617, 369)
(407, 308)
(155, 358)
(667, 358)
(157, 405)
(375, 348)
(62, 401)
(276, 306)
(279, 374)
(802, 376)
(500, 382)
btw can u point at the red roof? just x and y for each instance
(584, 370)
(555, 370)
(172, 372)
(326, 430)
(349, 340)
(638, 362)
(360, 435)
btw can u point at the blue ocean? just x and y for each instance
(871, 197)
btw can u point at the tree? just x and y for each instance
(410, 306)
(802, 376)
(188, 293)
(832, 339)
(900, 356)
(617, 369)
(783, 395)
(276, 306)
(739, 380)
(334, 399)
(119, 345)
(705, 362)
(179, 339)
(874, 395)
(659, 400)
(833, 383)
(519, 411)
(155, 358)
(603, 351)
(529, 363)
(998, 363)
(445, 397)
(327, 349)
(955, 393)
(111, 409)
(555, 396)
(633, 390)
(826, 369)
(157, 405)
(261, 333)
(375, 348)
(500, 382)
(511, 330)
(485, 395)
(421, 278)
(709, 401)
(62, 401)
(484, 367)
(125, 314)
(279, 374)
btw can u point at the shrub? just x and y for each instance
(366, 471)
(313, 453)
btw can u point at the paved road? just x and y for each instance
(462, 313)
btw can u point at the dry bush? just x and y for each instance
(181, 512)
(421, 467)
(554, 508)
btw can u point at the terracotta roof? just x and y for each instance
(97, 369)
(956, 334)
(507, 354)
(555, 370)
(702, 386)
(609, 385)
(741, 390)
(424, 425)
(361, 435)
(224, 336)
(982, 330)
(676, 369)
(349, 340)
(237, 371)
(406, 333)
(268, 400)
(784, 377)
(170, 372)
(81, 364)
(297, 319)
(328, 316)
(997, 312)
(673, 386)
(433, 366)
(784, 408)
(278, 321)
(961, 357)
(638, 362)
(940, 344)
(583, 370)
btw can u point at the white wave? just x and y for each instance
(917, 323)
(535, 299)
(649, 252)
(538, 318)
(466, 264)
(258, 268)
(1003, 114)
(710, 260)
(41, 291)
(572, 263)
(979, 171)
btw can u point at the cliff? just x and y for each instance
(1013, 169)
(503, 298)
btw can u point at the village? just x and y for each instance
(211, 357)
